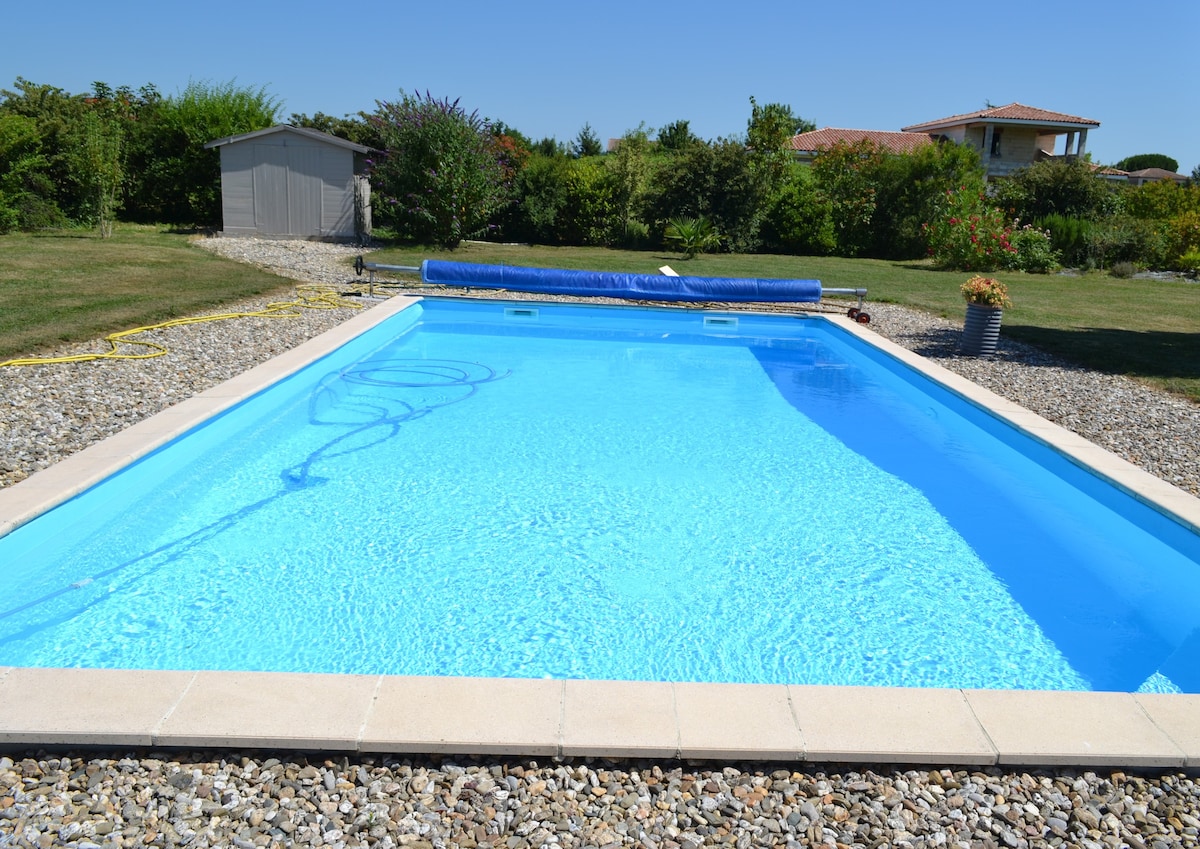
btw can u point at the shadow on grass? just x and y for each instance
(1138, 353)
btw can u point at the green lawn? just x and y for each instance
(74, 287)
(59, 288)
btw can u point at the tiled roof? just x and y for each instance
(1156, 174)
(1011, 112)
(828, 136)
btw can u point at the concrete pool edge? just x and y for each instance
(615, 719)
(40, 707)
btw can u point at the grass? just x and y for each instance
(75, 287)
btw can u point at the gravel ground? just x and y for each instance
(169, 799)
(211, 798)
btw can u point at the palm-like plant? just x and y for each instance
(691, 235)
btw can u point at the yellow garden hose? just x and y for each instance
(307, 297)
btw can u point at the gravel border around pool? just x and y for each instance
(571, 795)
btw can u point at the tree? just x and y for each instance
(173, 178)
(630, 166)
(846, 178)
(443, 175)
(676, 136)
(909, 191)
(26, 192)
(97, 158)
(36, 176)
(769, 134)
(798, 220)
(587, 143)
(549, 146)
(1148, 160)
(1054, 187)
(714, 181)
(356, 128)
(540, 189)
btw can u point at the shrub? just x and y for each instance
(541, 192)
(1182, 235)
(1032, 251)
(691, 235)
(443, 175)
(1122, 238)
(1068, 236)
(1123, 269)
(1161, 199)
(1055, 187)
(909, 189)
(716, 181)
(591, 213)
(969, 234)
(797, 220)
(1189, 263)
(845, 175)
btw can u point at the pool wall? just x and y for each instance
(80, 707)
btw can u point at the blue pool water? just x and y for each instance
(498, 489)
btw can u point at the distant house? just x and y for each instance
(1153, 175)
(808, 145)
(293, 183)
(1007, 137)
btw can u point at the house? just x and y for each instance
(1013, 136)
(1007, 137)
(293, 183)
(808, 145)
(1153, 175)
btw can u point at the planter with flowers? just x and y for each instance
(986, 299)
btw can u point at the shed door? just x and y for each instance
(304, 190)
(287, 191)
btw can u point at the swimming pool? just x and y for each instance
(787, 506)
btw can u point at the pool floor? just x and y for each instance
(399, 713)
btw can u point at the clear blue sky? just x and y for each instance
(547, 68)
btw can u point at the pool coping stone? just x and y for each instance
(575, 718)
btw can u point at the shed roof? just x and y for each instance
(315, 135)
(1013, 113)
(827, 137)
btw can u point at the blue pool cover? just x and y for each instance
(558, 281)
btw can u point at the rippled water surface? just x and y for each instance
(603, 493)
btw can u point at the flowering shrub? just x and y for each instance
(972, 235)
(969, 234)
(444, 174)
(1032, 250)
(985, 291)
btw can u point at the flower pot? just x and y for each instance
(981, 331)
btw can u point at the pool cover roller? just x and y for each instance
(557, 281)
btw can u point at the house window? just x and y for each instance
(996, 142)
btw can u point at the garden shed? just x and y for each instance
(293, 183)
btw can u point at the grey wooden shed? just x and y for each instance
(293, 183)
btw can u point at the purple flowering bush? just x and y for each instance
(443, 175)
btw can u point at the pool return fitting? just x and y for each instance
(653, 287)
